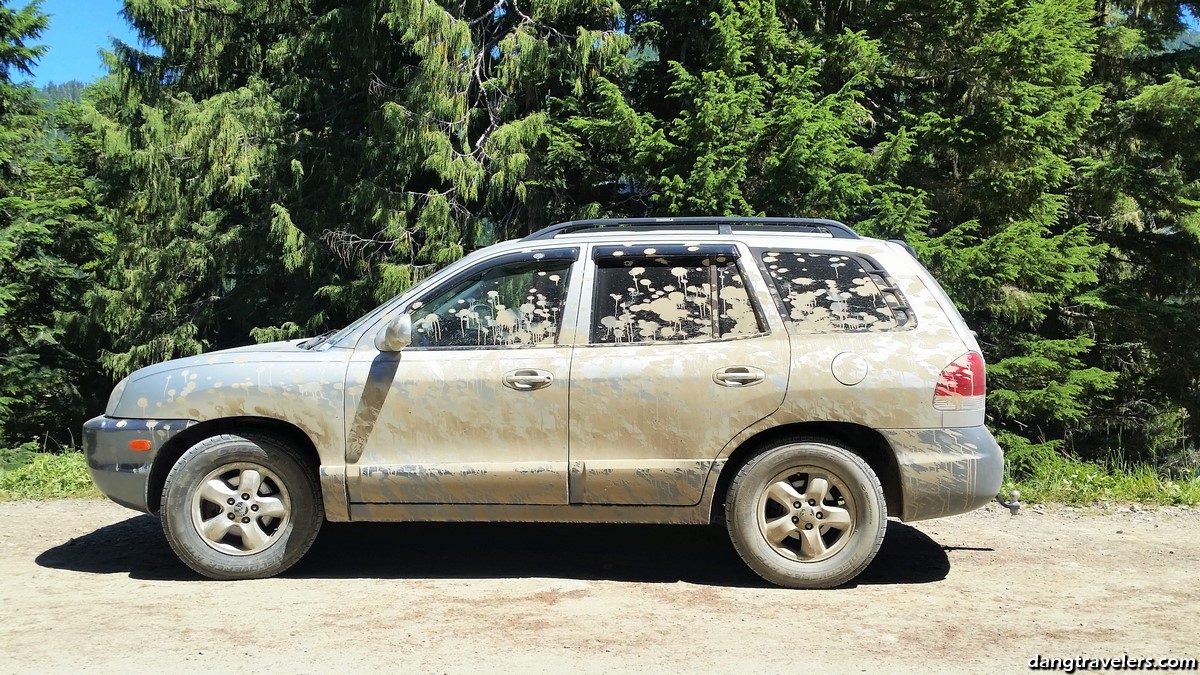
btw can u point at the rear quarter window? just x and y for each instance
(833, 292)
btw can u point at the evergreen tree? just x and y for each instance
(282, 166)
(47, 241)
(67, 91)
(949, 123)
(1139, 187)
(738, 112)
(995, 96)
(272, 169)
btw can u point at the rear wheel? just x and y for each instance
(241, 507)
(806, 513)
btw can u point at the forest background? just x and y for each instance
(254, 170)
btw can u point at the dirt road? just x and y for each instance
(89, 586)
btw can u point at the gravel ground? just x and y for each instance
(91, 587)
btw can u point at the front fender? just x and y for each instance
(306, 389)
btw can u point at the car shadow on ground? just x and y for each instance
(636, 553)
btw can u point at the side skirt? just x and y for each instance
(566, 513)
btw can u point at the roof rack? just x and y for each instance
(721, 224)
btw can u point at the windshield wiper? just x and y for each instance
(314, 342)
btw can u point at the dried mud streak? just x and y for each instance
(1046, 586)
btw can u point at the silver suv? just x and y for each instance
(786, 377)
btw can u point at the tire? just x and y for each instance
(250, 538)
(804, 547)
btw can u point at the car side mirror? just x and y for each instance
(396, 335)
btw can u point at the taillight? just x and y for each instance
(962, 384)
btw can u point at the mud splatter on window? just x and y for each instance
(736, 313)
(829, 293)
(660, 300)
(514, 305)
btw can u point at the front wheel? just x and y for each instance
(241, 507)
(806, 513)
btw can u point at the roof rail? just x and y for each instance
(722, 224)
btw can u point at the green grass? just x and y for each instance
(45, 475)
(1083, 484)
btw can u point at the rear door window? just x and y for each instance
(670, 294)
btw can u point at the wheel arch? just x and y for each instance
(865, 442)
(179, 444)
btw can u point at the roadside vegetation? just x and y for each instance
(27, 474)
(43, 475)
(262, 170)
(1079, 483)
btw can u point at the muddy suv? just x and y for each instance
(786, 377)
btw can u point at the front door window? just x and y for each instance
(511, 305)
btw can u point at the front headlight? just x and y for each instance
(115, 397)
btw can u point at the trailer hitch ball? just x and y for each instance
(1014, 502)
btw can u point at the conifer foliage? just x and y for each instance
(283, 165)
(266, 169)
(48, 241)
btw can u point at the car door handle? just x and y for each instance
(739, 376)
(527, 379)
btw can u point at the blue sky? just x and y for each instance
(79, 29)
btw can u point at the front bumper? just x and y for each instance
(944, 472)
(121, 473)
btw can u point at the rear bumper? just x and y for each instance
(944, 472)
(121, 473)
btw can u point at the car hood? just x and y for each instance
(277, 380)
(272, 352)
